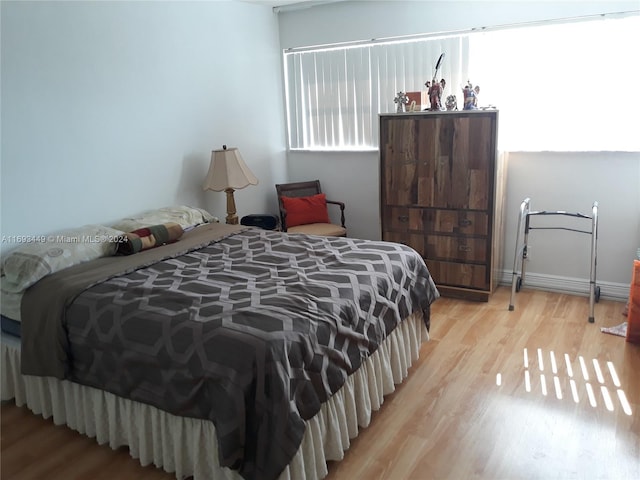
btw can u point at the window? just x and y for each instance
(334, 95)
(561, 86)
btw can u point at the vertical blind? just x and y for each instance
(334, 95)
(564, 86)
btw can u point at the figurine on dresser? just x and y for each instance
(401, 99)
(452, 103)
(435, 88)
(470, 94)
(435, 94)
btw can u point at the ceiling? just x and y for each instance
(292, 4)
(280, 3)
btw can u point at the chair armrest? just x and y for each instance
(283, 219)
(341, 205)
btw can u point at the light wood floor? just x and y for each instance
(450, 419)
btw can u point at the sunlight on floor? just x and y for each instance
(558, 378)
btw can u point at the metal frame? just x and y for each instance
(520, 256)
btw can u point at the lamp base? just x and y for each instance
(232, 218)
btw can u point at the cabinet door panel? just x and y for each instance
(400, 166)
(433, 164)
(453, 162)
(461, 173)
(481, 154)
(481, 140)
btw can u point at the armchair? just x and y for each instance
(303, 209)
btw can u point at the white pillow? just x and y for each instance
(31, 261)
(183, 215)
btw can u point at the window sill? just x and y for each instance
(333, 150)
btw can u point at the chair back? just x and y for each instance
(295, 190)
(298, 189)
(308, 189)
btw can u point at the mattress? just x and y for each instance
(10, 304)
(10, 312)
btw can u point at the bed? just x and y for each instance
(230, 353)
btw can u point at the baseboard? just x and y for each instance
(574, 286)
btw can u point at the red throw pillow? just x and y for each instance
(305, 210)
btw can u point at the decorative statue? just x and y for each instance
(435, 88)
(470, 96)
(435, 94)
(451, 103)
(401, 99)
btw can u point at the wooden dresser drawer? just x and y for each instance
(442, 247)
(436, 220)
(464, 249)
(458, 274)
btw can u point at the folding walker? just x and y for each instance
(521, 250)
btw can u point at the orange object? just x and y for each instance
(418, 98)
(633, 317)
(306, 210)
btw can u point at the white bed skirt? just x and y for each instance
(187, 446)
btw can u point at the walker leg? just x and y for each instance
(525, 249)
(515, 281)
(592, 275)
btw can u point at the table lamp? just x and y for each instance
(228, 172)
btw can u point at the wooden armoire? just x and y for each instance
(441, 192)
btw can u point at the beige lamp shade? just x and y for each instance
(228, 170)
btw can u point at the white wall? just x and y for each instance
(111, 108)
(554, 181)
(367, 19)
(572, 182)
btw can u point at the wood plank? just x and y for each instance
(449, 419)
(466, 426)
(32, 447)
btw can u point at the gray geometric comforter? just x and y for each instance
(253, 332)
